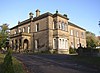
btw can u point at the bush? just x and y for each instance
(87, 51)
(45, 52)
(8, 64)
(72, 50)
(26, 51)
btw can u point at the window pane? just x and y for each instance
(29, 29)
(37, 27)
(71, 32)
(77, 34)
(55, 44)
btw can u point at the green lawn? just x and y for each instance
(18, 68)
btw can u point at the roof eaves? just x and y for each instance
(57, 14)
(21, 23)
(72, 24)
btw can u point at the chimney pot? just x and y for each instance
(31, 15)
(37, 12)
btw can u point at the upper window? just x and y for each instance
(66, 27)
(29, 29)
(15, 32)
(71, 32)
(77, 34)
(54, 24)
(19, 30)
(59, 25)
(23, 29)
(82, 34)
(63, 26)
(37, 27)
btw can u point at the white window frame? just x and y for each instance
(19, 30)
(82, 34)
(60, 43)
(23, 29)
(77, 34)
(54, 43)
(15, 32)
(29, 29)
(71, 32)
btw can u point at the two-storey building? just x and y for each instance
(46, 32)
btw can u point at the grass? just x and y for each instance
(18, 68)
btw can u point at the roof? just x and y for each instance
(21, 23)
(34, 19)
(72, 24)
(57, 14)
(43, 16)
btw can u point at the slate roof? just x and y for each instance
(72, 24)
(43, 16)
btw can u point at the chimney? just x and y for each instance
(37, 12)
(18, 22)
(31, 15)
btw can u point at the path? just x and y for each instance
(48, 64)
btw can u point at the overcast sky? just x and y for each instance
(84, 13)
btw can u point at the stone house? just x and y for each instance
(46, 32)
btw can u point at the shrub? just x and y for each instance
(87, 51)
(26, 51)
(55, 51)
(7, 64)
(45, 52)
(72, 50)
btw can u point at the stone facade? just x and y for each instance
(46, 32)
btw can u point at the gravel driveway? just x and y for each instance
(49, 64)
